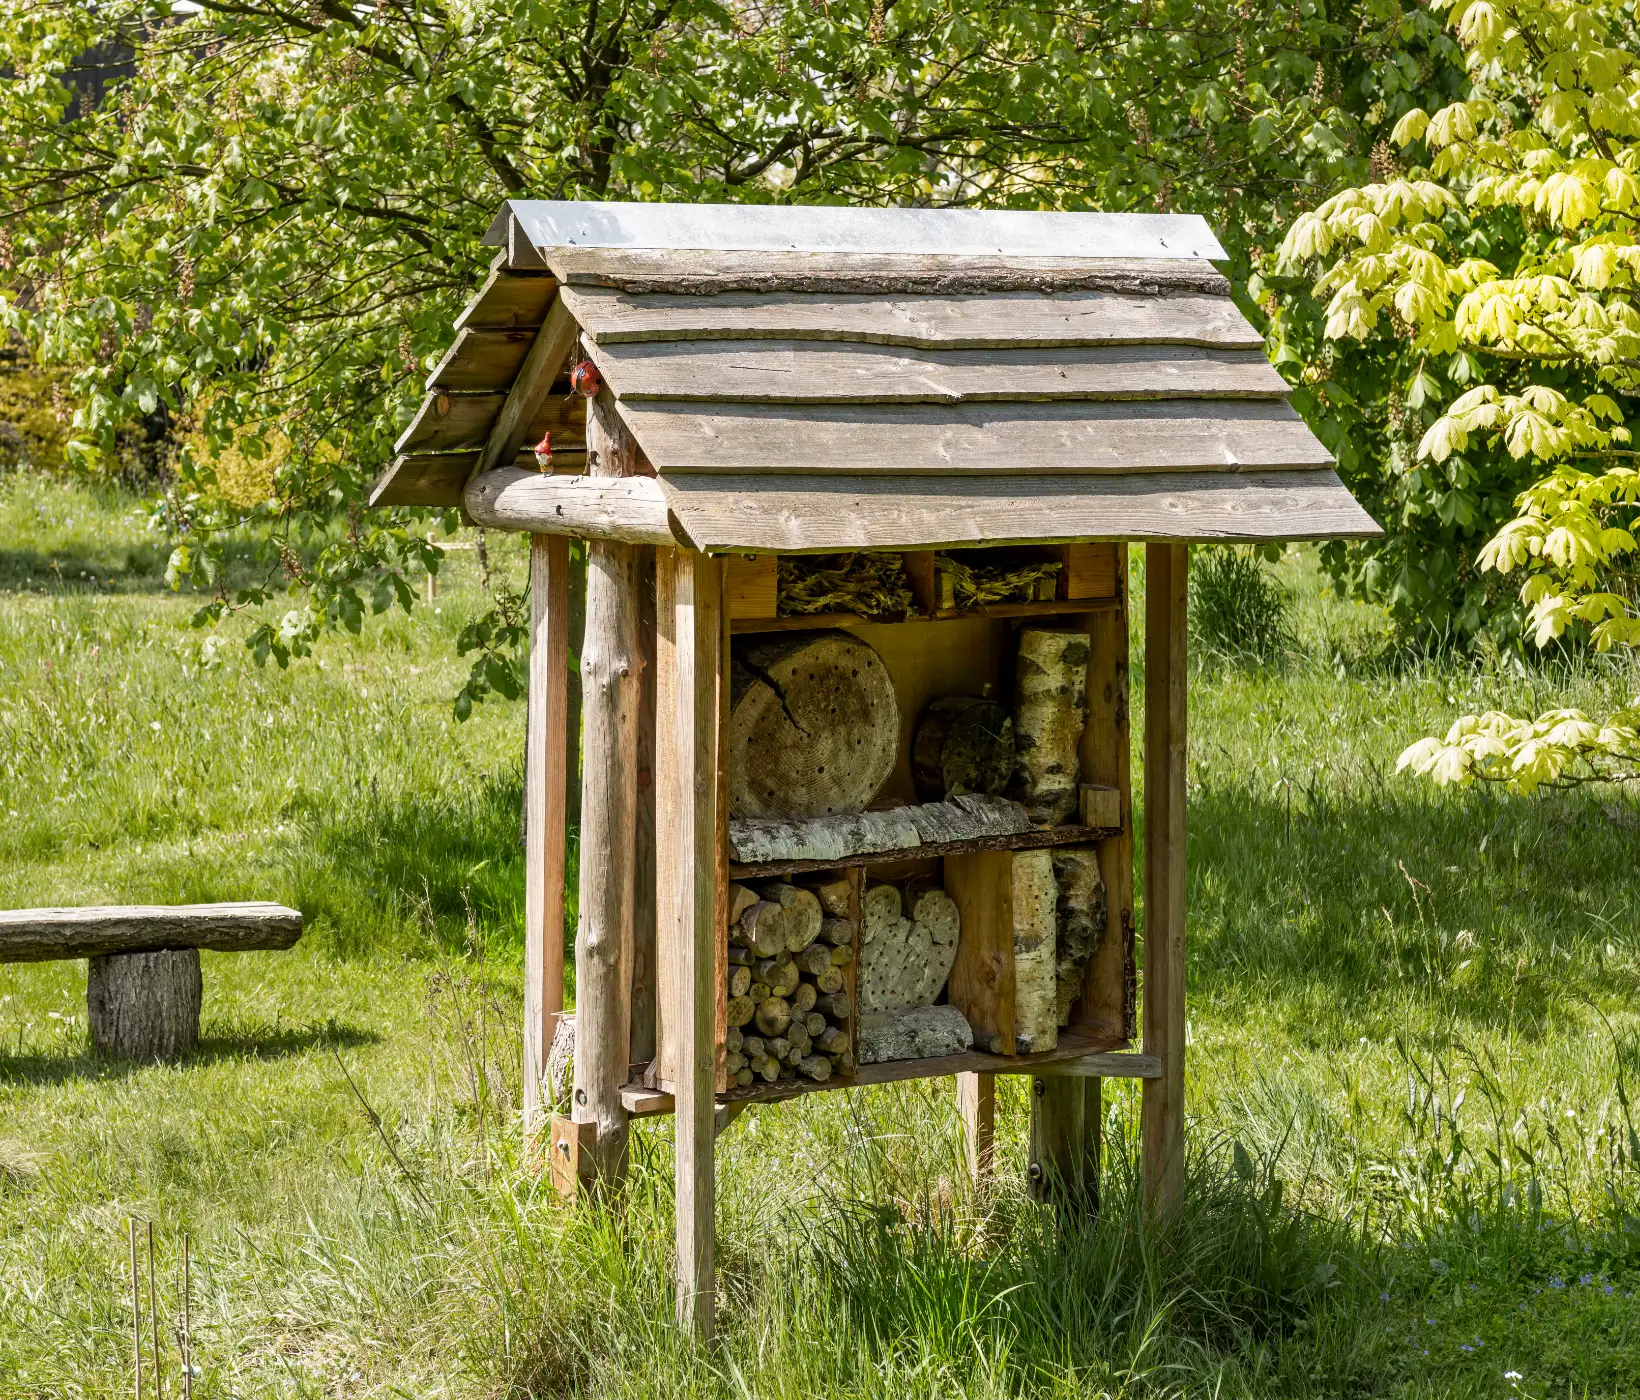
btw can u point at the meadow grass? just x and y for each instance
(1413, 1037)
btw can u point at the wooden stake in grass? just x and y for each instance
(187, 1316)
(136, 1310)
(153, 1317)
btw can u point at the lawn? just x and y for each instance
(1414, 1034)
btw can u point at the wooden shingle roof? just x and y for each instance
(803, 379)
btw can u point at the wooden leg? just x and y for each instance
(977, 1102)
(1162, 1112)
(1064, 1153)
(611, 673)
(545, 794)
(693, 785)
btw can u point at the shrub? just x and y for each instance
(1236, 609)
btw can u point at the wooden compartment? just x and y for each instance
(929, 657)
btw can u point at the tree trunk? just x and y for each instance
(814, 729)
(1036, 1003)
(145, 1006)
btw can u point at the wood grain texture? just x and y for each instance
(44, 935)
(982, 978)
(1062, 1165)
(545, 801)
(485, 360)
(701, 271)
(1090, 571)
(144, 1006)
(508, 301)
(446, 422)
(1107, 1006)
(927, 850)
(977, 1108)
(1077, 438)
(818, 515)
(644, 903)
(753, 586)
(1161, 1116)
(697, 654)
(773, 371)
(424, 479)
(978, 322)
(529, 391)
(631, 509)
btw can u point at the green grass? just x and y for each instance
(1413, 1033)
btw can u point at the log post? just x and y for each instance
(144, 1006)
(689, 770)
(1162, 1112)
(611, 697)
(977, 1103)
(545, 796)
(1063, 1163)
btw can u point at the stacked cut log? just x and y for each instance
(789, 1011)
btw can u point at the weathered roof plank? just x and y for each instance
(780, 371)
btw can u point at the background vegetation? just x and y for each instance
(1412, 1052)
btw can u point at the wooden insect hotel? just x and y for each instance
(857, 487)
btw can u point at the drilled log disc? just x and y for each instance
(814, 726)
(145, 1006)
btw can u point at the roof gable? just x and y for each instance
(851, 372)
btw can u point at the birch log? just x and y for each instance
(1035, 902)
(1050, 712)
(814, 726)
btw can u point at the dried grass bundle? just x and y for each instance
(977, 586)
(873, 585)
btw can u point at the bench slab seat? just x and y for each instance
(144, 988)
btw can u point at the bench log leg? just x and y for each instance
(145, 1006)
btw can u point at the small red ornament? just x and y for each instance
(543, 452)
(585, 379)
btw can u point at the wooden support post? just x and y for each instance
(1063, 1166)
(1166, 681)
(977, 1103)
(689, 769)
(642, 1049)
(545, 794)
(611, 699)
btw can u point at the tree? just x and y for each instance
(255, 219)
(1540, 161)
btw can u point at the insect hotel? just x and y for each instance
(858, 487)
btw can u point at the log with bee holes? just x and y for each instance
(788, 1013)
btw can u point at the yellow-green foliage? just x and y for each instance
(1550, 132)
(26, 407)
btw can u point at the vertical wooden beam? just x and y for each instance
(643, 893)
(977, 1104)
(1162, 1113)
(611, 699)
(1063, 1162)
(545, 797)
(692, 779)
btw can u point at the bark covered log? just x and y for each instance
(964, 744)
(1082, 919)
(814, 726)
(1050, 712)
(145, 1006)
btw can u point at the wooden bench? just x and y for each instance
(144, 986)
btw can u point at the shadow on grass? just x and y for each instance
(76, 571)
(238, 1040)
(1498, 907)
